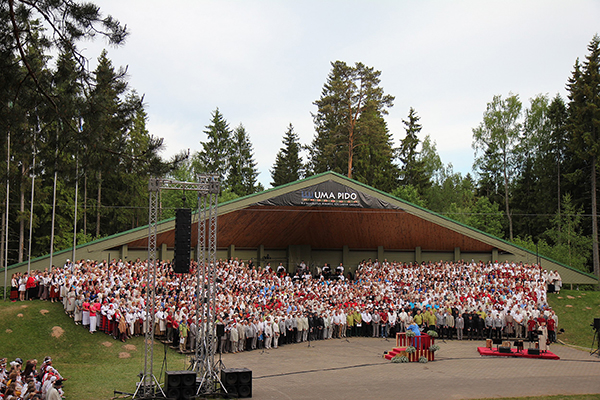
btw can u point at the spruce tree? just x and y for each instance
(584, 127)
(217, 149)
(412, 169)
(241, 178)
(288, 165)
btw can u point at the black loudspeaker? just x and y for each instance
(220, 330)
(533, 352)
(183, 238)
(504, 349)
(180, 385)
(237, 381)
(597, 324)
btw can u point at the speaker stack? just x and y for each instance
(180, 385)
(183, 238)
(533, 352)
(237, 381)
(597, 324)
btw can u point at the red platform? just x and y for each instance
(547, 355)
(414, 357)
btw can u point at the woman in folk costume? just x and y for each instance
(14, 287)
(71, 296)
(54, 289)
(78, 312)
(543, 336)
(122, 328)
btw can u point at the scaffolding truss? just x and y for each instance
(207, 188)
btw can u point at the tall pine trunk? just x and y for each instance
(596, 261)
(99, 203)
(510, 224)
(22, 215)
(85, 204)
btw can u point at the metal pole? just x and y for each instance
(54, 201)
(75, 217)
(6, 226)
(31, 208)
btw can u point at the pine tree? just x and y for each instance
(241, 178)
(288, 165)
(347, 94)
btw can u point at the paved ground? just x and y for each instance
(336, 369)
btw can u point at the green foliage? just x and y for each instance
(423, 360)
(486, 217)
(411, 349)
(432, 333)
(584, 128)
(399, 359)
(216, 151)
(495, 141)
(410, 194)
(349, 117)
(434, 347)
(86, 126)
(566, 244)
(413, 168)
(241, 177)
(288, 165)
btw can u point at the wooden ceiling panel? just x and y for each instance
(329, 228)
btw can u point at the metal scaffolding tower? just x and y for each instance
(207, 189)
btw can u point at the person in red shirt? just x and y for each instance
(531, 327)
(170, 332)
(551, 323)
(384, 323)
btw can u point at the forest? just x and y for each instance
(76, 153)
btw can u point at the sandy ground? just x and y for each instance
(336, 369)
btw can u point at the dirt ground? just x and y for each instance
(355, 369)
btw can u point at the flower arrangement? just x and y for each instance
(396, 359)
(423, 359)
(432, 333)
(411, 350)
(410, 334)
(433, 348)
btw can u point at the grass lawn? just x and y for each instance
(576, 311)
(94, 365)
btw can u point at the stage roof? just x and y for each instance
(329, 211)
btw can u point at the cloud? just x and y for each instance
(264, 63)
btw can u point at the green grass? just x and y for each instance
(576, 319)
(92, 369)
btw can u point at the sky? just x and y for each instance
(264, 63)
